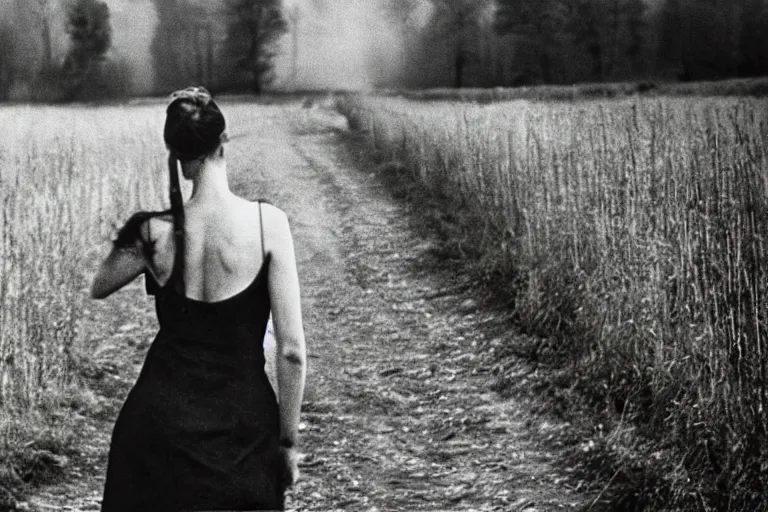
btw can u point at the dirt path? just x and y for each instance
(399, 413)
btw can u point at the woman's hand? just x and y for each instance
(290, 464)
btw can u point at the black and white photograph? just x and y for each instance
(384, 255)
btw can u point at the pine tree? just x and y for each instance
(459, 19)
(253, 29)
(90, 34)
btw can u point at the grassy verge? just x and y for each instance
(628, 239)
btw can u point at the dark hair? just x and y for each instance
(194, 128)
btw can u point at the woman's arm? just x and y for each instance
(119, 268)
(286, 317)
(125, 262)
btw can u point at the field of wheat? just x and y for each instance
(632, 235)
(68, 177)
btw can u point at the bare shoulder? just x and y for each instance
(157, 226)
(273, 216)
(275, 222)
(272, 212)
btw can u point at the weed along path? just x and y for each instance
(399, 412)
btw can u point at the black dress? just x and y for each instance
(200, 428)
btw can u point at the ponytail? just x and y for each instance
(177, 210)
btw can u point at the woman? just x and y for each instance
(201, 429)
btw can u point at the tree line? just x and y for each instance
(225, 44)
(29, 69)
(230, 45)
(524, 42)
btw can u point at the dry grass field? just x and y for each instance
(68, 177)
(631, 236)
(398, 414)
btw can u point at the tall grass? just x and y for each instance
(67, 177)
(632, 234)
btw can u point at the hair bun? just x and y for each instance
(194, 124)
(196, 94)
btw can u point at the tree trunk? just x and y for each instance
(686, 73)
(459, 64)
(545, 65)
(3, 82)
(47, 44)
(735, 28)
(597, 61)
(253, 56)
(614, 38)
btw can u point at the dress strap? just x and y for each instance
(261, 227)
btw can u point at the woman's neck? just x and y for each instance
(210, 182)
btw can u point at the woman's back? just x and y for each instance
(224, 247)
